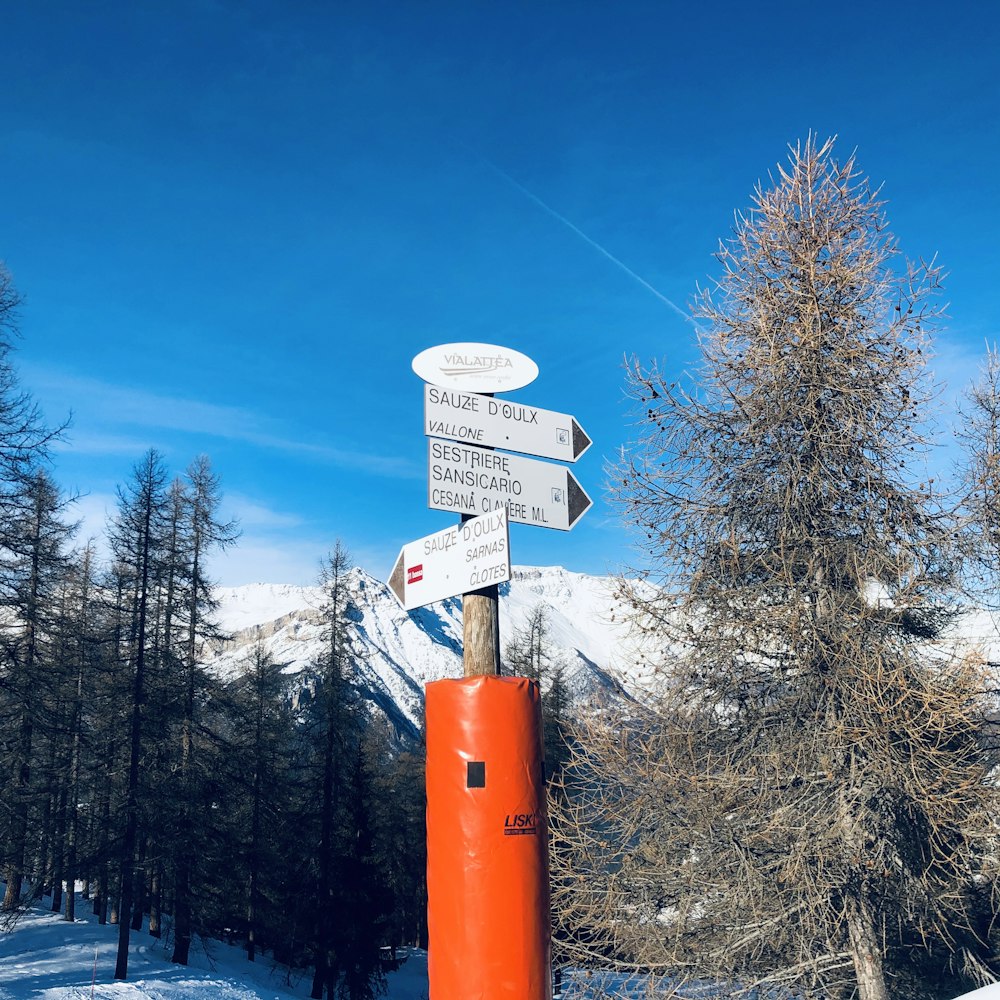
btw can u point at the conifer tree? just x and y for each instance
(333, 724)
(205, 532)
(80, 651)
(980, 476)
(363, 891)
(808, 804)
(24, 438)
(529, 654)
(24, 443)
(36, 563)
(398, 809)
(137, 542)
(262, 743)
(110, 719)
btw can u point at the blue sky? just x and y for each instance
(235, 224)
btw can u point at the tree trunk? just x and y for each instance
(182, 880)
(319, 978)
(258, 792)
(865, 953)
(101, 895)
(139, 903)
(127, 869)
(182, 884)
(135, 748)
(27, 680)
(324, 909)
(154, 901)
(43, 864)
(182, 915)
(59, 849)
(253, 902)
(73, 813)
(19, 824)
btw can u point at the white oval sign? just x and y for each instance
(475, 367)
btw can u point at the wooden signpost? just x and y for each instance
(464, 424)
(486, 813)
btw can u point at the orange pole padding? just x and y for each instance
(487, 841)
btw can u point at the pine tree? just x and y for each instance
(110, 718)
(24, 438)
(80, 650)
(137, 537)
(205, 532)
(556, 721)
(398, 814)
(808, 804)
(529, 654)
(36, 563)
(363, 890)
(24, 443)
(262, 744)
(334, 724)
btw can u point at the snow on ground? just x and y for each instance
(986, 993)
(45, 958)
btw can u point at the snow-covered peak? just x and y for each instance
(396, 653)
(259, 603)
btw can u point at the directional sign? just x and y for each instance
(474, 480)
(466, 557)
(496, 423)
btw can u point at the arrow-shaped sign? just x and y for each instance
(466, 557)
(473, 480)
(495, 423)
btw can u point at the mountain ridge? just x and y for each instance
(395, 653)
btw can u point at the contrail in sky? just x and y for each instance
(579, 232)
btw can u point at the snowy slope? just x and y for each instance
(397, 653)
(986, 993)
(45, 958)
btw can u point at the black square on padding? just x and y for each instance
(475, 774)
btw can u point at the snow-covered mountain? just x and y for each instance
(396, 652)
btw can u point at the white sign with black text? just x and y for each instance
(466, 557)
(496, 423)
(471, 480)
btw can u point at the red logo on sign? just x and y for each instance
(415, 573)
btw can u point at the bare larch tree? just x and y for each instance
(807, 804)
(979, 433)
